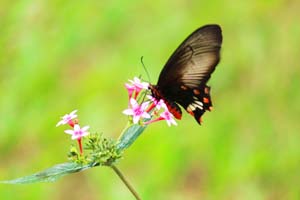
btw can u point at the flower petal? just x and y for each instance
(71, 132)
(144, 105)
(128, 112)
(146, 115)
(85, 134)
(73, 112)
(59, 123)
(75, 137)
(136, 119)
(76, 127)
(134, 103)
(85, 128)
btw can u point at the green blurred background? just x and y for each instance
(57, 56)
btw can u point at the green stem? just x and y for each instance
(121, 176)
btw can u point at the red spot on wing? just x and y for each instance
(196, 91)
(191, 113)
(183, 87)
(205, 100)
(206, 90)
(174, 112)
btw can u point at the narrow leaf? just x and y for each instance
(129, 136)
(50, 174)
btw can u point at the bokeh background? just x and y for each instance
(57, 56)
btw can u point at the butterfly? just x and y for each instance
(183, 78)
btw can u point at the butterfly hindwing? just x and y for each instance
(197, 102)
(194, 101)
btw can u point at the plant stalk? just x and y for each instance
(121, 176)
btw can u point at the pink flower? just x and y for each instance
(138, 84)
(135, 86)
(130, 89)
(151, 98)
(78, 132)
(153, 108)
(67, 119)
(153, 104)
(137, 111)
(158, 104)
(166, 115)
(161, 104)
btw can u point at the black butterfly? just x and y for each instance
(183, 79)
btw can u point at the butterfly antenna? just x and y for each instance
(145, 69)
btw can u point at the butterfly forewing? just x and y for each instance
(183, 78)
(195, 59)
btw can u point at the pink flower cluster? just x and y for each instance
(77, 133)
(149, 111)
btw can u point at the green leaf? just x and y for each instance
(129, 136)
(50, 174)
